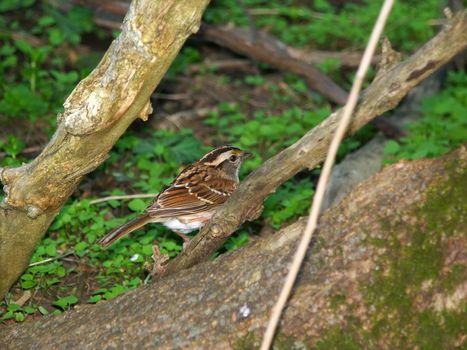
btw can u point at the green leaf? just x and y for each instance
(43, 310)
(94, 299)
(8, 5)
(114, 203)
(8, 316)
(51, 250)
(134, 282)
(29, 310)
(170, 245)
(52, 281)
(137, 205)
(14, 307)
(60, 271)
(19, 100)
(81, 246)
(28, 284)
(115, 291)
(147, 249)
(392, 147)
(91, 237)
(24, 47)
(56, 36)
(19, 317)
(14, 146)
(45, 21)
(64, 302)
(72, 299)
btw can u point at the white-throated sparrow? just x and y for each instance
(190, 200)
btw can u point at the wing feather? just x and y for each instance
(194, 191)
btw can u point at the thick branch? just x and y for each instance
(96, 113)
(223, 303)
(393, 81)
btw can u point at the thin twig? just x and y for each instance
(45, 261)
(324, 177)
(125, 196)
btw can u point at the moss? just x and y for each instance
(351, 337)
(336, 300)
(410, 273)
(248, 342)
(336, 339)
(454, 277)
(283, 342)
(413, 270)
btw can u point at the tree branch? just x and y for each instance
(392, 82)
(96, 114)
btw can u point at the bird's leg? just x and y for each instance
(185, 238)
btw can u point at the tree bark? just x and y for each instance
(387, 271)
(96, 114)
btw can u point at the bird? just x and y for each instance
(189, 202)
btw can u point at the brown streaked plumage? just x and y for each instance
(190, 200)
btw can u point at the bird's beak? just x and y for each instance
(247, 155)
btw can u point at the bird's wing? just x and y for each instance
(194, 191)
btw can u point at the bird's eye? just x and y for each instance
(233, 159)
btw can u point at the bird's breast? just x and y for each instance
(184, 227)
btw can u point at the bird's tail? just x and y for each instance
(123, 230)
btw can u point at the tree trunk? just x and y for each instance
(387, 271)
(96, 114)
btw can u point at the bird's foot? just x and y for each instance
(160, 261)
(185, 238)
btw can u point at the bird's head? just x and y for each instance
(227, 159)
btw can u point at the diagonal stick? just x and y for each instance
(324, 177)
